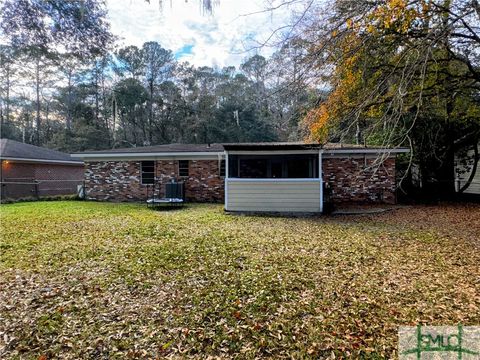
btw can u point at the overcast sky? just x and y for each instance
(212, 40)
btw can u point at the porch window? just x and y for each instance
(301, 166)
(148, 172)
(183, 168)
(253, 168)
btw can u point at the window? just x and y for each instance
(301, 166)
(277, 168)
(183, 167)
(222, 167)
(148, 172)
(253, 168)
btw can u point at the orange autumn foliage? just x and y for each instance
(347, 56)
(319, 120)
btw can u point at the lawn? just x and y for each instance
(83, 280)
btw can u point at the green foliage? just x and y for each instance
(403, 74)
(80, 27)
(141, 95)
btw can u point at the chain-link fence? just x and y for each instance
(18, 188)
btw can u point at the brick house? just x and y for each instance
(33, 171)
(246, 176)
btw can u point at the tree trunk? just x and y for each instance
(97, 101)
(114, 118)
(37, 90)
(7, 97)
(150, 115)
(447, 169)
(47, 122)
(69, 102)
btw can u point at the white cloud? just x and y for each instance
(220, 39)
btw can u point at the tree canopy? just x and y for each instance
(383, 72)
(78, 27)
(399, 73)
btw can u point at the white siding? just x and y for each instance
(276, 195)
(474, 187)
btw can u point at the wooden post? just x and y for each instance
(36, 189)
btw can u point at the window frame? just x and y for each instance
(142, 172)
(180, 168)
(276, 164)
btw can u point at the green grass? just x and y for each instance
(98, 280)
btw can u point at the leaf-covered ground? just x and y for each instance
(83, 280)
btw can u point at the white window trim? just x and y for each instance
(273, 180)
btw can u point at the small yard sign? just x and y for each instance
(439, 342)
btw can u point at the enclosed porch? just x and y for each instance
(279, 179)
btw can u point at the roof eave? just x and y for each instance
(138, 155)
(44, 161)
(366, 151)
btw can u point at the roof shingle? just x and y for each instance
(216, 147)
(165, 148)
(17, 150)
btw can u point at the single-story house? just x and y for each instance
(33, 171)
(293, 177)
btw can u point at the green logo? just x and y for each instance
(439, 342)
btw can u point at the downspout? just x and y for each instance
(226, 181)
(320, 177)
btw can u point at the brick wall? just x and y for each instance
(121, 180)
(204, 183)
(360, 180)
(12, 170)
(350, 180)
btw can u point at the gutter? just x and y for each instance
(44, 161)
(212, 154)
(143, 155)
(366, 151)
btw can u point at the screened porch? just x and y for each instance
(273, 181)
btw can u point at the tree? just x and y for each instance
(130, 97)
(71, 71)
(400, 73)
(98, 78)
(129, 62)
(7, 74)
(159, 64)
(38, 70)
(78, 27)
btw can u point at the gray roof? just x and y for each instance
(272, 146)
(11, 149)
(215, 148)
(165, 148)
(335, 147)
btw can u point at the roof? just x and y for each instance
(165, 148)
(209, 150)
(14, 150)
(272, 146)
(334, 147)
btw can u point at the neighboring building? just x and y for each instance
(293, 177)
(467, 173)
(32, 171)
